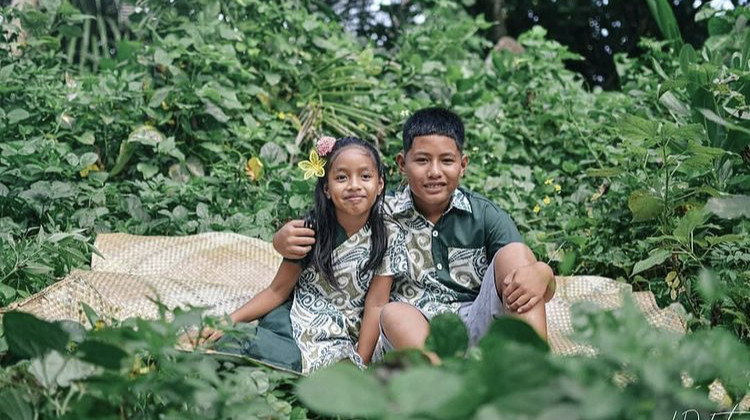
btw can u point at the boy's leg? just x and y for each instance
(508, 259)
(489, 304)
(403, 326)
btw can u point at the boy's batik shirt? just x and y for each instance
(326, 320)
(447, 260)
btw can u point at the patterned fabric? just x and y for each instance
(447, 260)
(326, 320)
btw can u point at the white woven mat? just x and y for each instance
(222, 271)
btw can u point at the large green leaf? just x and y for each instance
(731, 207)
(662, 13)
(426, 391)
(689, 222)
(343, 390)
(29, 336)
(507, 330)
(644, 205)
(657, 257)
(102, 354)
(14, 406)
(448, 336)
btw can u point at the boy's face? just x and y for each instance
(433, 166)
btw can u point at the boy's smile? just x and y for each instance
(433, 166)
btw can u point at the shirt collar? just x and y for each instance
(403, 202)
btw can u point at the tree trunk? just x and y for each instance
(493, 11)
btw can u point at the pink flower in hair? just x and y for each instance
(325, 145)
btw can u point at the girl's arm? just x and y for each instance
(272, 296)
(378, 295)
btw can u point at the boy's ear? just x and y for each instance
(401, 162)
(464, 163)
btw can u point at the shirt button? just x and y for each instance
(440, 266)
(435, 233)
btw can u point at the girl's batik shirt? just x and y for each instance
(326, 320)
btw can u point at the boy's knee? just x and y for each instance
(516, 252)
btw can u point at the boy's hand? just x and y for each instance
(527, 286)
(294, 240)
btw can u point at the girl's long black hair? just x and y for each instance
(323, 217)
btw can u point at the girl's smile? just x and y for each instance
(353, 185)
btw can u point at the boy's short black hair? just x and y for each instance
(435, 120)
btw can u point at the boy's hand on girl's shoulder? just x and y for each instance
(294, 240)
(527, 286)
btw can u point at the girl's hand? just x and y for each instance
(294, 240)
(209, 335)
(527, 286)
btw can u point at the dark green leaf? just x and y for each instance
(343, 390)
(644, 205)
(448, 336)
(102, 354)
(29, 336)
(657, 257)
(426, 391)
(14, 406)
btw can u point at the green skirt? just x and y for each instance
(272, 342)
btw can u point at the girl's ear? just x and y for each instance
(381, 185)
(325, 190)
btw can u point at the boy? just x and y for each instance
(464, 254)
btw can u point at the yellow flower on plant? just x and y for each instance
(314, 166)
(85, 171)
(548, 181)
(281, 115)
(254, 169)
(546, 201)
(558, 188)
(537, 209)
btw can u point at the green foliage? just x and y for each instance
(132, 369)
(639, 372)
(195, 123)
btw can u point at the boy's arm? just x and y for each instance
(528, 285)
(294, 240)
(377, 296)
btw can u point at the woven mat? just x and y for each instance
(222, 271)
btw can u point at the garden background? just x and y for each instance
(173, 118)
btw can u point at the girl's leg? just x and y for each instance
(404, 326)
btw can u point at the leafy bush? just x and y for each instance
(639, 372)
(133, 370)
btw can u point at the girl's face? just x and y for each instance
(353, 184)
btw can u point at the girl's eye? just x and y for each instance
(341, 178)
(366, 177)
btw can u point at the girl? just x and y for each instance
(349, 257)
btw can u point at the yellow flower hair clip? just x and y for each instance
(314, 166)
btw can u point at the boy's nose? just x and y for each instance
(433, 170)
